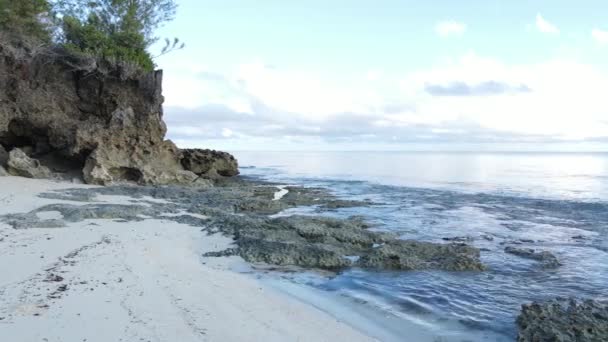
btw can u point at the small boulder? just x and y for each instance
(3, 172)
(19, 164)
(209, 163)
(547, 259)
(562, 320)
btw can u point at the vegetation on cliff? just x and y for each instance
(79, 102)
(25, 17)
(115, 30)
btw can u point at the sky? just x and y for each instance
(388, 75)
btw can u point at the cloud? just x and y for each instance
(486, 88)
(458, 100)
(600, 36)
(450, 28)
(544, 26)
(373, 75)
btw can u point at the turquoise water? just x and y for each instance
(555, 202)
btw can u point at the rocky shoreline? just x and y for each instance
(246, 211)
(86, 120)
(243, 210)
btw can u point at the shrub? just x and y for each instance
(87, 38)
(25, 17)
(114, 29)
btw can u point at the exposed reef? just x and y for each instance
(244, 210)
(546, 259)
(563, 320)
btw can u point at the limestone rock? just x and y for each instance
(209, 163)
(102, 118)
(19, 164)
(414, 255)
(546, 259)
(563, 320)
(327, 243)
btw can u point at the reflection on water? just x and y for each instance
(557, 175)
(553, 202)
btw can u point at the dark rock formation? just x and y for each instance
(306, 241)
(546, 259)
(563, 320)
(3, 157)
(209, 162)
(415, 255)
(80, 113)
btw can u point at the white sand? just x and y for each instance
(136, 281)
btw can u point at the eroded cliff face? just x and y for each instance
(94, 119)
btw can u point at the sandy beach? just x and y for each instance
(113, 280)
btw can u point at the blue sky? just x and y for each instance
(388, 75)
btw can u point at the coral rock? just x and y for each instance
(19, 164)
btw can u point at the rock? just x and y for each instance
(240, 210)
(340, 204)
(291, 254)
(19, 164)
(3, 156)
(415, 255)
(103, 119)
(547, 259)
(461, 239)
(3, 172)
(563, 320)
(209, 163)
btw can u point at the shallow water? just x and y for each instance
(554, 202)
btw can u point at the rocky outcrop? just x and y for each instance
(209, 162)
(563, 320)
(327, 243)
(101, 118)
(317, 242)
(415, 255)
(546, 259)
(19, 164)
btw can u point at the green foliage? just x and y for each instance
(28, 17)
(114, 29)
(123, 45)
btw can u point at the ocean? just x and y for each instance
(556, 202)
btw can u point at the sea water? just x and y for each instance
(556, 202)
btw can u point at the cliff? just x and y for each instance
(63, 115)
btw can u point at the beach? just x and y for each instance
(118, 280)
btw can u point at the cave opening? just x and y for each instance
(127, 174)
(35, 142)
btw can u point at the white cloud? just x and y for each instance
(544, 26)
(373, 75)
(227, 133)
(565, 100)
(450, 28)
(474, 99)
(600, 36)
